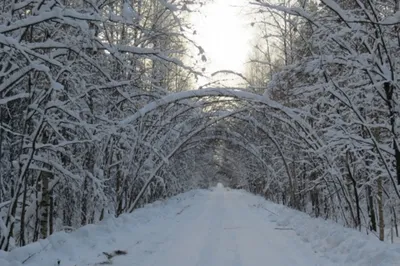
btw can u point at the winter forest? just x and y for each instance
(101, 112)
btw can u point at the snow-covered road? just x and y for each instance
(222, 230)
(217, 227)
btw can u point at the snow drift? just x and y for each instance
(151, 232)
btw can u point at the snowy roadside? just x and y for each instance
(193, 221)
(85, 246)
(343, 246)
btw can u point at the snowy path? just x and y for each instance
(218, 227)
(222, 230)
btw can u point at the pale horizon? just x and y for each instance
(224, 32)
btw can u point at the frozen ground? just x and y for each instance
(217, 227)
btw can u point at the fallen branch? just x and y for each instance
(269, 211)
(260, 206)
(115, 253)
(33, 254)
(187, 206)
(109, 256)
(283, 228)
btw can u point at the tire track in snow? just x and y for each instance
(183, 241)
(230, 245)
(222, 230)
(260, 242)
(156, 240)
(212, 239)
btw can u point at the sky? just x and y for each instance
(224, 32)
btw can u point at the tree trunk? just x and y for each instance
(51, 218)
(84, 202)
(380, 210)
(389, 89)
(354, 183)
(45, 204)
(371, 210)
(395, 221)
(22, 222)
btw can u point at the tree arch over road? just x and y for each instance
(285, 131)
(297, 158)
(89, 126)
(259, 102)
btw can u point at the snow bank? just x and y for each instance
(343, 246)
(163, 220)
(85, 246)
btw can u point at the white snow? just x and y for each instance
(205, 228)
(168, 5)
(128, 13)
(244, 95)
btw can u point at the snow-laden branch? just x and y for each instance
(209, 92)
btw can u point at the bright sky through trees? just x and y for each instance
(224, 31)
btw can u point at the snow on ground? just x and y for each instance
(220, 227)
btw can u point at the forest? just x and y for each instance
(100, 112)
